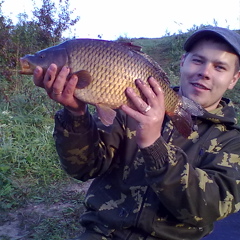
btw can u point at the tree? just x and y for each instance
(53, 21)
(6, 45)
(28, 36)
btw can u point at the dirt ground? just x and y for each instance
(18, 224)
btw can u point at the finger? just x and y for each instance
(155, 86)
(60, 81)
(132, 113)
(146, 91)
(137, 101)
(49, 77)
(152, 93)
(70, 86)
(158, 93)
(38, 77)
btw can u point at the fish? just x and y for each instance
(105, 69)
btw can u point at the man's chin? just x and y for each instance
(194, 98)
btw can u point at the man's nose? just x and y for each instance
(204, 71)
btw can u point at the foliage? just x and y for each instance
(6, 48)
(53, 21)
(28, 36)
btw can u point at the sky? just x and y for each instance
(111, 19)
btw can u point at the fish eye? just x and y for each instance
(41, 55)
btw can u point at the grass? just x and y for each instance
(32, 183)
(27, 150)
(34, 190)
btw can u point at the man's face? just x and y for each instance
(207, 71)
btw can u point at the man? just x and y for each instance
(149, 181)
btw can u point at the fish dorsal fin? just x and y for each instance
(132, 46)
(105, 114)
(84, 78)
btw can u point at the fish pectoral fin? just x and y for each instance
(105, 114)
(84, 78)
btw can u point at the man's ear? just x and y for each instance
(234, 80)
(183, 59)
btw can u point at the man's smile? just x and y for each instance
(201, 86)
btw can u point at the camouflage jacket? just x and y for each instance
(174, 189)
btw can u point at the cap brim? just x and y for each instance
(231, 38)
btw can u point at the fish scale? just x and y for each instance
(105, 69)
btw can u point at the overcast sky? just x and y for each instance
(135, 18)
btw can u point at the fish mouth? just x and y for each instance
(201, 86)
(26, 67)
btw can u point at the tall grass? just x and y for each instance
(28, 157)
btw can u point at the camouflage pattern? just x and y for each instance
(174, 189)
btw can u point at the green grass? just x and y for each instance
(30, 172)
(27, 153)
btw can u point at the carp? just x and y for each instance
(105, 69)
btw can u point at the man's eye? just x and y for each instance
(196, 60)
(220, 68)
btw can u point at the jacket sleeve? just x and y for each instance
(196, 195)
(85, 151)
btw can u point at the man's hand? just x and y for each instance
(149, 114)
(59, 88)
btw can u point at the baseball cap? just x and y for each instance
(231, 37)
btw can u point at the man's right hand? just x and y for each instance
(59, 88)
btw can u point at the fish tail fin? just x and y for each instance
(182, 115)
